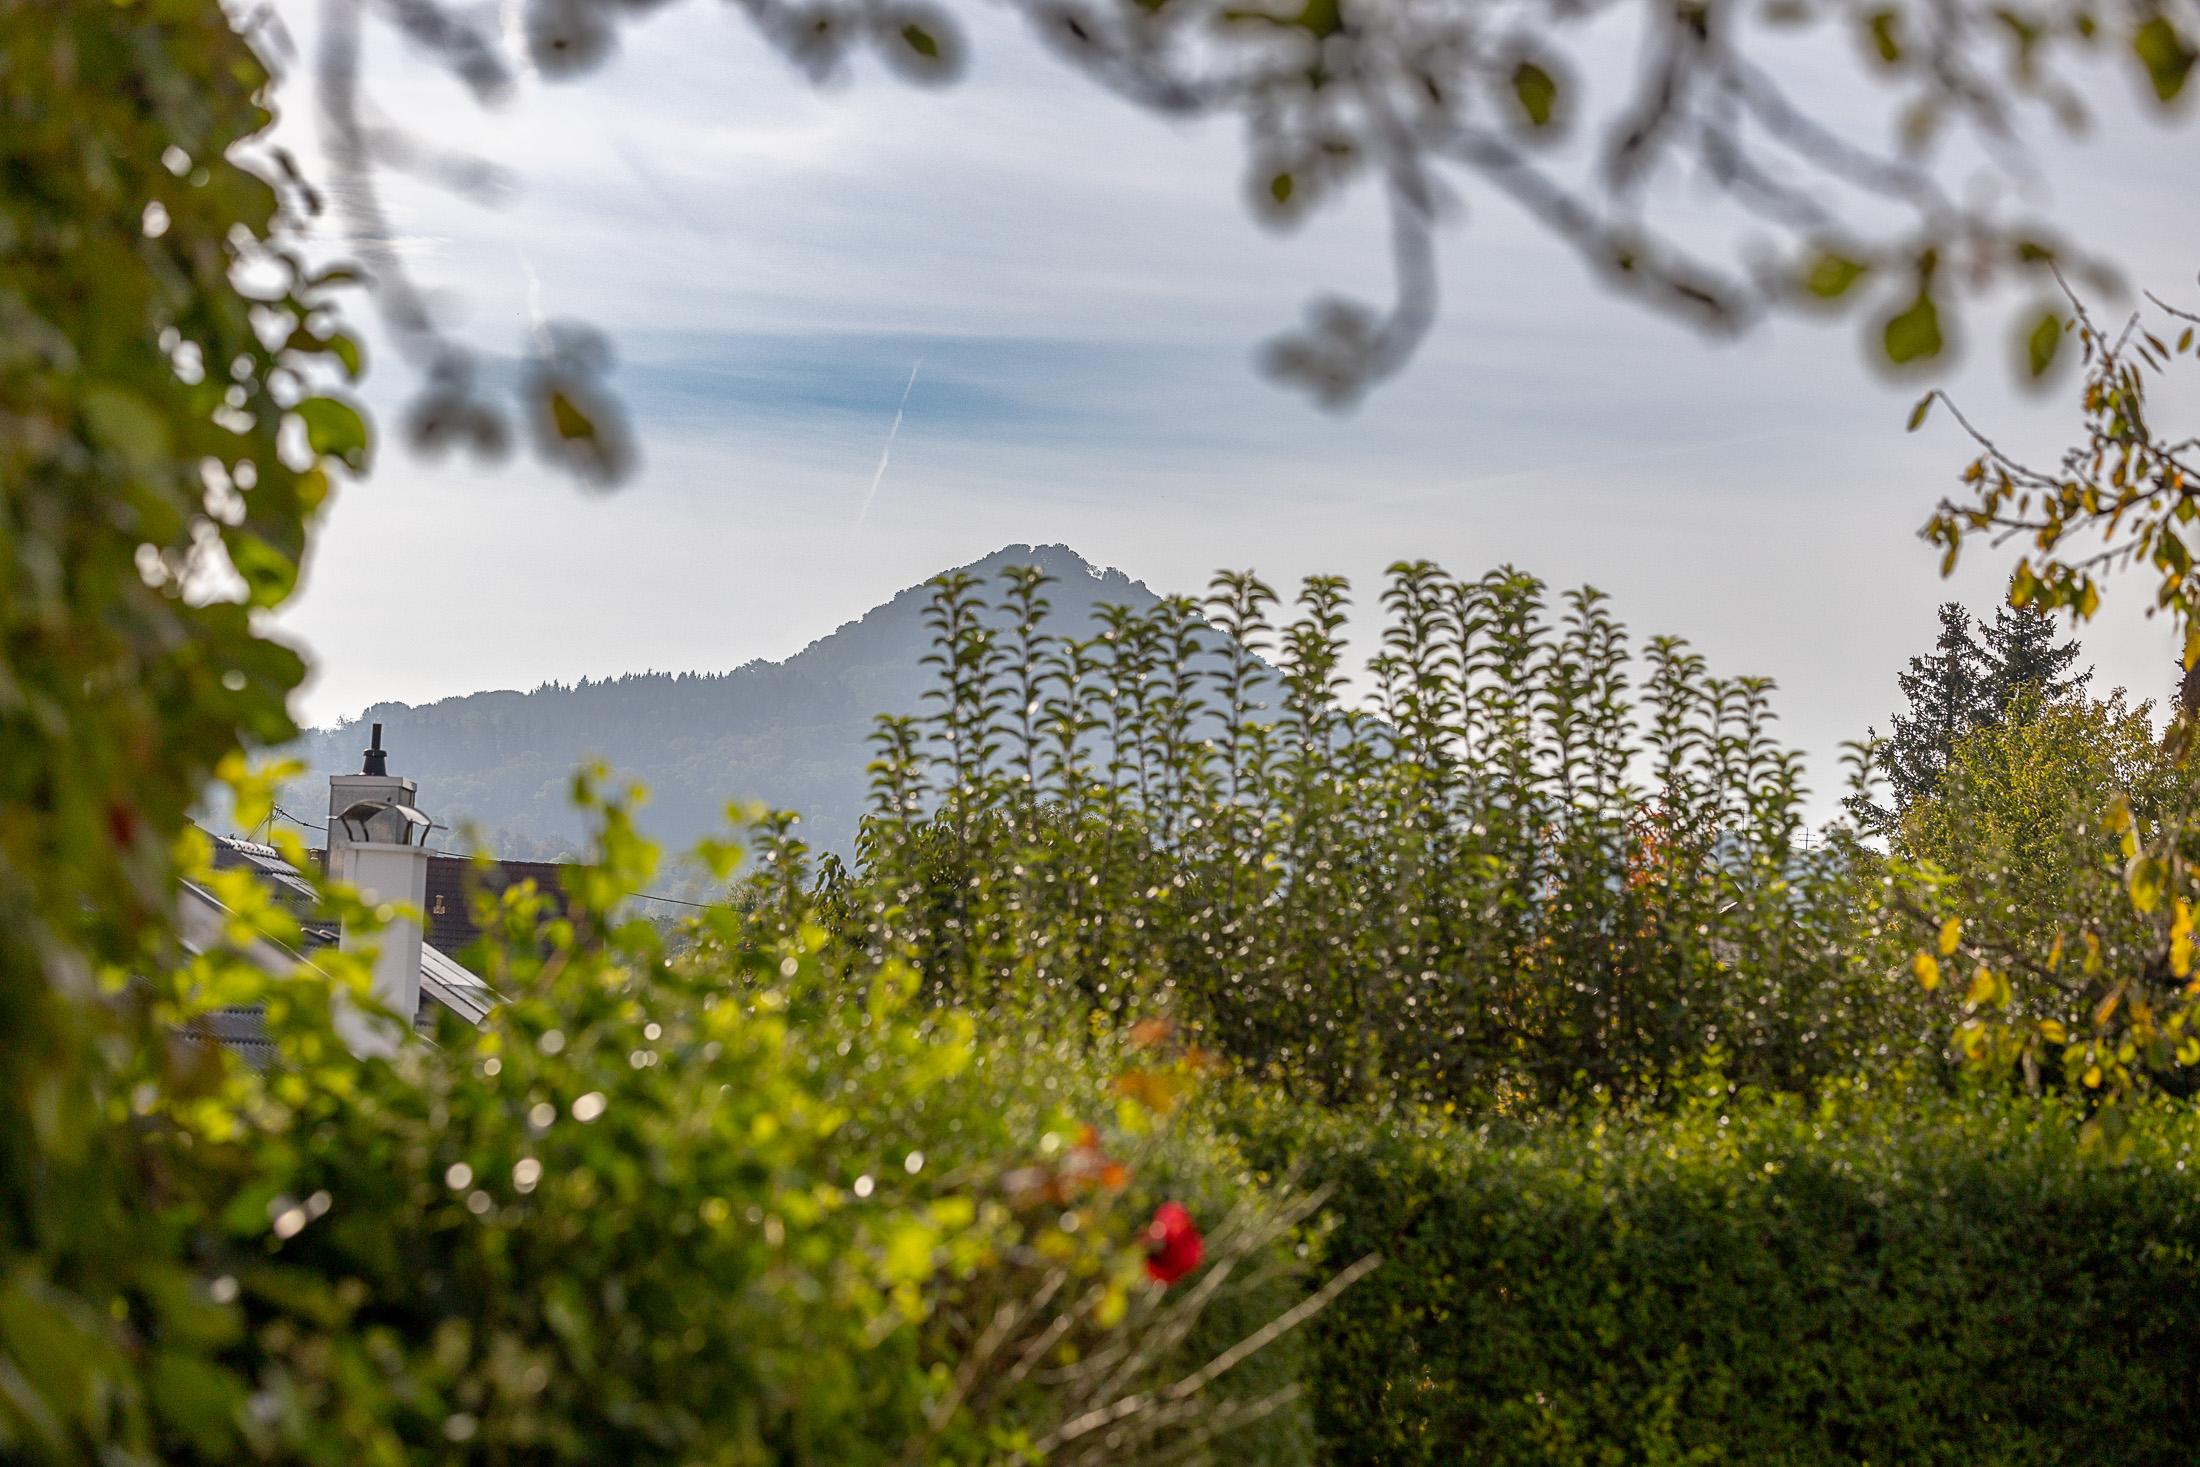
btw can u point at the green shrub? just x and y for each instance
(1875, 1279)
(719, 1205)
(1537, 866)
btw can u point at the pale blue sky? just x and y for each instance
(1086, 292)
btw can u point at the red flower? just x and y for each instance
(1173, 1244)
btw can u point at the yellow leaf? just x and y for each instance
(908, 1252)
(2053, 1032)
(1928, 971)
(1951, 933)
(2106, 1009)
(1982, 986)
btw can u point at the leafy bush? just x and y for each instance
(723, 1205)
(1880, 1277)
(1512, 880)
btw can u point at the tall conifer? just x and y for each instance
(1971, 679)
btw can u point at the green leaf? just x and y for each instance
(346, 349)
(269, 575)
(54, 1355)
(1913, 335)
(126, 423)
(198, 1398)
(1918, 413)
(1537, 92)
(2165, 53)
(921, 41)
(1281, 187)
(1831, 274)
(2044, 341)
(335, 430)
(1885, 41)
(2147, 878)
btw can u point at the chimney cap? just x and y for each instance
(384, 823)
(377, 758)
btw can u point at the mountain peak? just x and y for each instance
(1054, 559)
(794, 733)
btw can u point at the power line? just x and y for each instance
(683, 902)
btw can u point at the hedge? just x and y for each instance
(1877, 1279)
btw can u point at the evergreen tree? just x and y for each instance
(1969, 681)
(2021, 652)
(1950, 693)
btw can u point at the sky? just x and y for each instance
(1061, 298)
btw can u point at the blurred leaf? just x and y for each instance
(1927, 969)
(346, 348)
(921, 41)
(1913, 334)
(1982, 987)
(1831, 274)
(1884, 27)
(2166, 54)
(2147, 878)
(1536, 90)
(269, 575)
(199, 1399)
(2044, 341)
(123, 421)
(336, 430)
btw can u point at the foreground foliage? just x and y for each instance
(723, 1206)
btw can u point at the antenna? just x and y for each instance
(378, 760)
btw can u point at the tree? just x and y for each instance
(1975, 677)
(162, 457)
(2022, 656)
(1948, 694)
(2021, 847)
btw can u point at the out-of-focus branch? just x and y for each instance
(1421, 98)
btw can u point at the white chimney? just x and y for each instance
(377, 842)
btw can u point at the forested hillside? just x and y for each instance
(791, 733)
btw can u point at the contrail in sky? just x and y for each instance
(887, 450)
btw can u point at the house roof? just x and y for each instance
(452, 882)
(443, 980)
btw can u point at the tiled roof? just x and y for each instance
(452, 880)
(241, 1030)
(233, 853)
